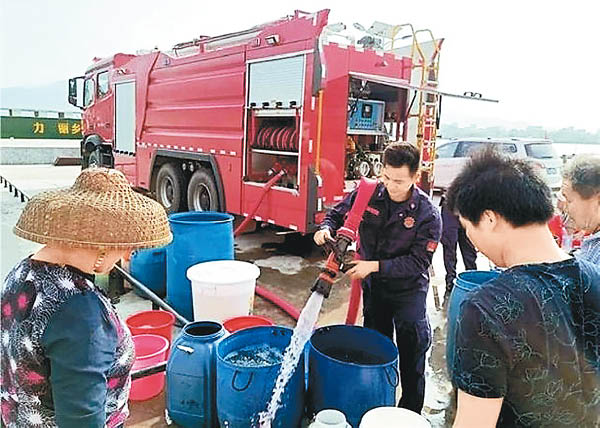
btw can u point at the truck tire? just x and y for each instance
(202, 193)
(170, 188)
(95, 158)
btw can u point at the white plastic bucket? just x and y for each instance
(222, 289)
(393, 417)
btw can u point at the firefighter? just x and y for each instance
(398, 235)
(453, 233)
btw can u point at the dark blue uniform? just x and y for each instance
(453, 233)
(402, 237)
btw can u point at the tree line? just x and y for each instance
(563, 135)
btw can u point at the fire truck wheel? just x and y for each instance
(202, 194)
(95, 158)
(169, 187)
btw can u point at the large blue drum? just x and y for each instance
(243, 390)
(150, 268)
(463, 285)
(192, 377)
(352, 369)
(198, 236)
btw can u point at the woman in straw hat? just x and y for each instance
(66, 355)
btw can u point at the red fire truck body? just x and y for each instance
(205, 126)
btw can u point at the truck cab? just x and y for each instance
(94, 94)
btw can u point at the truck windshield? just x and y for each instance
(540, 150)
(88, 92)
(102, 84)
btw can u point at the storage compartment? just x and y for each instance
(376, 117)
(274, 105)
(273, 143)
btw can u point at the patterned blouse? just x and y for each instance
(66, 355)
(532, 336)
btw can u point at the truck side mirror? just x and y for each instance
(76, 91)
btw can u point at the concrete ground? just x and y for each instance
(31, 151)
(288, 267)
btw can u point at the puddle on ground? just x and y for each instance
(440, 404)
(288, 265)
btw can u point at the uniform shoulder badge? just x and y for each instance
(431, 246)
(409, 222)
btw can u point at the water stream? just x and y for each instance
(302, 332)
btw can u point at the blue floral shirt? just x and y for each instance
(532, 336)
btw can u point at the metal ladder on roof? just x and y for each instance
(427, 110)
(428, 106)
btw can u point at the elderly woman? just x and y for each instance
(66, 355)
(581, 193)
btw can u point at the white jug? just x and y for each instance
(330, 418)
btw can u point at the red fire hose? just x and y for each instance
(262, 292)
(278, 301)
(355, 295)
(346, 234)
(356, 290)
(283, 138)
(266, 189)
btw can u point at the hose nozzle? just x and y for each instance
(322, 285)
(325, 279)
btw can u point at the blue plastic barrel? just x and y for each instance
(351, 369)
(464, 283)
(150, 268)
(191, 376)
(198, 236)
(244, 392)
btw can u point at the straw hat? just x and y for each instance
(100, 210)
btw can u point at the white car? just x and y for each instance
(453, 155)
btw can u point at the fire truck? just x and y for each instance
(276, 122)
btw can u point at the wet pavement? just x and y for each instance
(289, 264)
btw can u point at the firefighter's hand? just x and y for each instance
(362, 268)
(322, 236)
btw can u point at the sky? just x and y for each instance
(539, 58)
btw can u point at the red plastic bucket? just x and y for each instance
(150, 350)
(152, 322)
(239, 323)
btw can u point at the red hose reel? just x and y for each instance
(280, 138)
